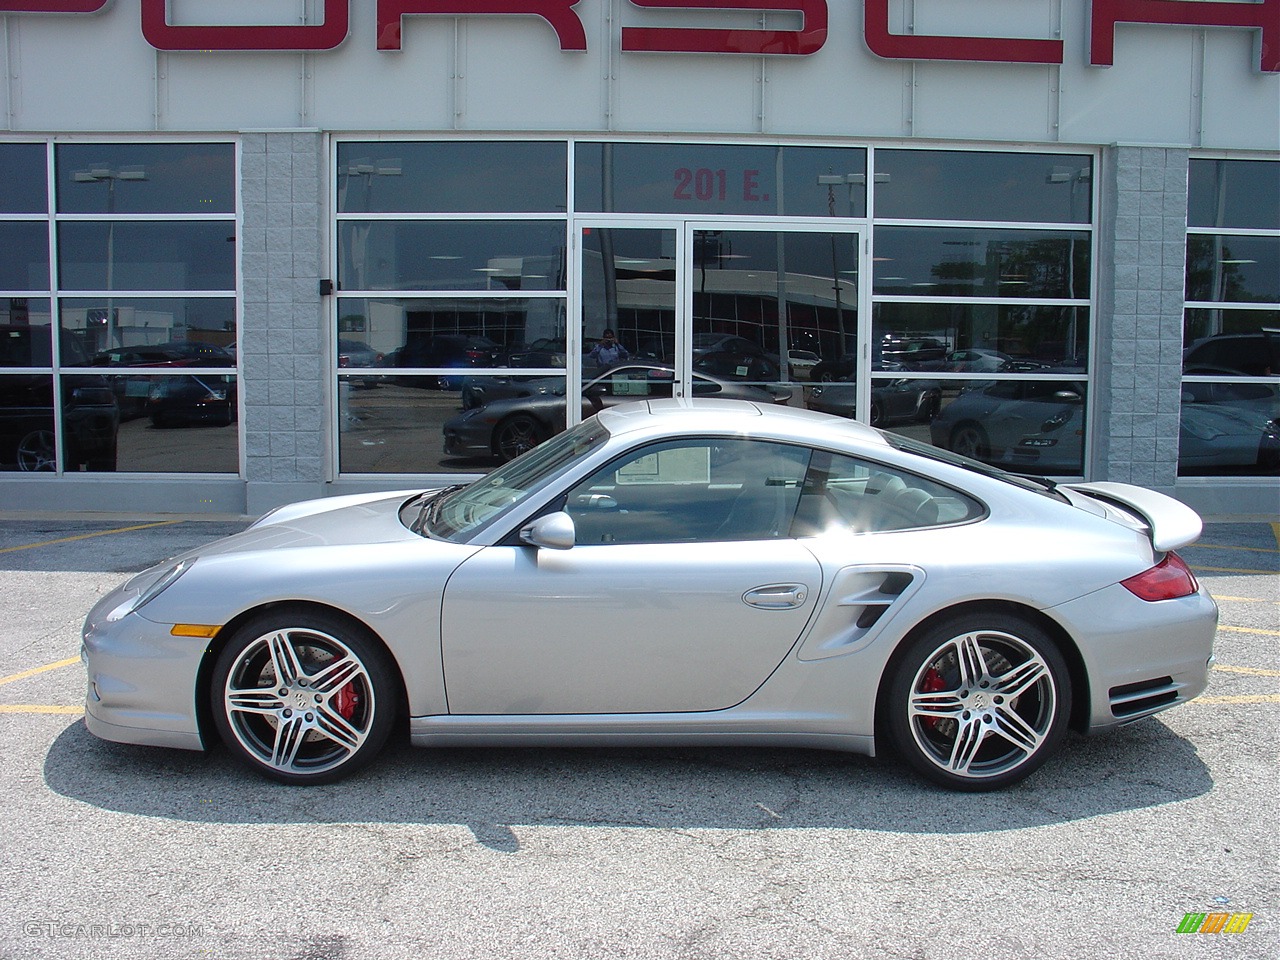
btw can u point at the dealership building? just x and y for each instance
(303, 250)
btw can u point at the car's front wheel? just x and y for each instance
(516, 435)
(970, 440)
(979, 702)
(303, 698)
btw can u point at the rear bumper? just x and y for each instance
(1146, 657)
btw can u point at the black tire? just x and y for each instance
(35, 452)
(930, 407)
(304, 698)
(516, 435)
(970, 440)
(877, 415)
(978, 702)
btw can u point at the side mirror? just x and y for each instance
(555, 531)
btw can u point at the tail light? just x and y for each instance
(1167, 580)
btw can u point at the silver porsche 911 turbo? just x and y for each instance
(668, 572)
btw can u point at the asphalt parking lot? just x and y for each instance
(121, 852)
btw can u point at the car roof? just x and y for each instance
(742, 417)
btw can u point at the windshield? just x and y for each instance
(461, 513)
(1036, 484)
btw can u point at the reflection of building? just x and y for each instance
(499, 219)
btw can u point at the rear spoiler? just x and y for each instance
(1170, 523)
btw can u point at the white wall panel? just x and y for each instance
(359, 87)
(983, 101)
(82, 73)
(687, 93)
(1234, 90)
(516, 77)
(1141, 99)
(841, 90)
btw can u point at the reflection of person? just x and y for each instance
(608, 351)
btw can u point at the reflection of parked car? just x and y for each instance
(920, 353)
(543, 352)
(704, 343)
(445, 350)
(1235, 354)
(801, 363)
(358, 355)
(132, 391)
(1038, 427)
(915, 401)
(1032, 426)
(716, 573)
(186, 401)
(90, 417)
(1229, 427)
(975, 360)
(506, 428)
(834, 369)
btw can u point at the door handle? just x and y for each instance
(777, 596)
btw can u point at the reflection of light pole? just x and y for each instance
(368, 169)
(1073, 176)
(103, 173)
(831, 181)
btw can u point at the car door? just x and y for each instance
(683, 591)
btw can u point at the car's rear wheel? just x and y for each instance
(979, 702)
(303, 698)
(516, 435)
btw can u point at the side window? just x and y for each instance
(692, 491)
(845, 494)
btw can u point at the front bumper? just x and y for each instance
(142, 683)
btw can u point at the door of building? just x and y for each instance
(691, 305)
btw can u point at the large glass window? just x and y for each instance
(115, 389)
(972, 185)
(452, 177)
(1230, 421)
(473, 297)
(954, 306)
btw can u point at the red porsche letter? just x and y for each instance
(1263, 16)
(324, 36)
(52, 6)
(897, 46)
(695, 40)
(558, 13)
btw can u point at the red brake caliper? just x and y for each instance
(346, 700)
(932, 683)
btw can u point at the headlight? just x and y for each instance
(158, 586)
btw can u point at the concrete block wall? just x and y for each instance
(282, 336)
(1142, 269)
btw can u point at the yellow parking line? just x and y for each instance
(1260, 698)
(1251, 671)
(88, 536)
(1224, 546)
(1275, 529)
(1264, 633)
(1199, 568)
(45, 708)
(1218, 596)
(35, 670)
